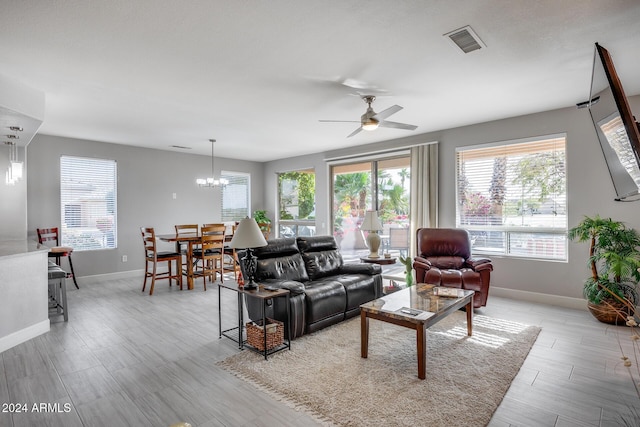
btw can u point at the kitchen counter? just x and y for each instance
(9, 248)
(23, 286)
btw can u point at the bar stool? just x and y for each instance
(51, 235)
(58, 290)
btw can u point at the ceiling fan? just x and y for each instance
(370, 120)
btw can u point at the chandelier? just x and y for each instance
(211, 181)
(15, 169)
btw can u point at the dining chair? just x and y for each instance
(182, 248)
(209, 257)
(214, 224)
(153, 257)
(231, 263)
(186, 228)
(51, 235)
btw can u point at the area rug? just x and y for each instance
(324, 375)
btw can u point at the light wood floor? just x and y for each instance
(127, 359)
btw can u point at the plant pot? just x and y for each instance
(612, 313)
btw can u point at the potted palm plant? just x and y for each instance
(264, 222)
(614, 260)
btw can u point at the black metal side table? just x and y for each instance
(237, 333)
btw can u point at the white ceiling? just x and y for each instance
(258, 75)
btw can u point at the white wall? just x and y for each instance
(590, 190)
(147, 180)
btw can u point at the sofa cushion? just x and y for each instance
(360, 288)
(280, 259)
(320, 255)
(443, 262)
(277, 248)
(324, 299)
(322, 264)
(288, 267)
(443, 241)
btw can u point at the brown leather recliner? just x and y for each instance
(444, 259)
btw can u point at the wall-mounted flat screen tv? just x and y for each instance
(617, 130)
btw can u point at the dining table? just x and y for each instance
(190, 239)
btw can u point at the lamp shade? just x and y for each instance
(248, 235)
(371, 222)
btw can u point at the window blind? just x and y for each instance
(88, 203)
(236, 196)
(512, 197)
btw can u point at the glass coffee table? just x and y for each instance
(417, 307)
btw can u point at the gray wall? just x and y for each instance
(147, 180)
(590, 190)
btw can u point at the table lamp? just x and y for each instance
(372, 224)
(248, 236)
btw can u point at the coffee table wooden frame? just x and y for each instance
(420, 325)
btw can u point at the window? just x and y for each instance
(236, 196)
(354, 192)
(512, 197)
(297, 203)
(88, 203)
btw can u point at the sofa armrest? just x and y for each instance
(419, 262)
(361, 268)
(421, 266)
(294, 287)
(479, 264)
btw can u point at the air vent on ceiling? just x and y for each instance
(466, 39)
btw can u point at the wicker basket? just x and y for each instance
(613, 313)
(255, 334)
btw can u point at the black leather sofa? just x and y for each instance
(324, 290)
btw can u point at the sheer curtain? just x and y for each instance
(424, 189)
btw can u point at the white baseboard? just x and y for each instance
(99, 278)
(567, 302)
(23, 335)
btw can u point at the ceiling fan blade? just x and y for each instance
(395, 125)
(386, 113)
(354, 132)
(339, 121)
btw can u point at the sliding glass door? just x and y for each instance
(381, 184)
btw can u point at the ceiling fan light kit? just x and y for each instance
(370, 124)
(371, 120)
